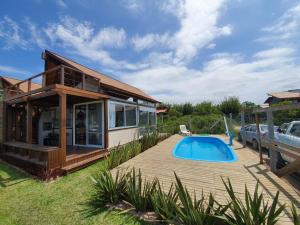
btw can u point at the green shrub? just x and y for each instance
(139, 192)
(148, 140)
(109, 189)
(254, 210)
(121, 154)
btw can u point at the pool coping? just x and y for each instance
(235, 158)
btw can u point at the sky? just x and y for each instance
(175, 50)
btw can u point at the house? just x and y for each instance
(290, 95)
(71, 118)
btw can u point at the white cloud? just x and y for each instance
(61, 3)
(37, 36)
(12, 70)
(10, 33)
(133, 5)
(81, 38)
(149, 41)
(223, 75)
(198, 29)
(286, 27)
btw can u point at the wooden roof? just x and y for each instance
(23, 86)
(104, 79)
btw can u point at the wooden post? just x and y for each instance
(29, 86)
(243, 128)
(63, 128)
(258, 138)
(106, 140)
(62, 75)
(273, 153)
(29, 123)
(83, 81)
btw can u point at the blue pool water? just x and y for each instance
(204, 148)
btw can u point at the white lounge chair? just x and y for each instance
(184, 131)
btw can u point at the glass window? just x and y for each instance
(116, 115)
(295, 130)
(143, 118)
(130, 115)
(152, 118)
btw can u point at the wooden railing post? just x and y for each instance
(243, 128)
(62, 127)
(258, 138)
(29, 123)
(83, 81)
(62, 75)
(273, 153)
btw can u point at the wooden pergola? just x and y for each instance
(273, 145)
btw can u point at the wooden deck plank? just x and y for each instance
(204, 176)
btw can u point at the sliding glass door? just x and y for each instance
(88, 124)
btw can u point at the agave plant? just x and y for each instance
(254, 210)
(197, 211)
(109, 189)
(139, 191)
(296, 217)
(121, 154)
(165, 204)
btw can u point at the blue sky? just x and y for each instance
(175, 50)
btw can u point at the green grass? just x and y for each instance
(24, 200)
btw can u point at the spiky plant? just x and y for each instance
(109, 189)
(165, 204)
(296, 216)
(139, 191)
(254, 210)
(197, 211)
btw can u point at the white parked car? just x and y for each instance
(289, 134)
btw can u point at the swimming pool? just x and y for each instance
(211, 149)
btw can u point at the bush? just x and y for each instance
(230, 105)
(121, 154)
(148, 140)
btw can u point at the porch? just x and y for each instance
(57, 128)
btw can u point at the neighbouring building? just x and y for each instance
(71, 118)
(290, 95)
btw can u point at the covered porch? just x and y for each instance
(55, 130)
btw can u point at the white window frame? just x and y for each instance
(124, 105)
(86, 124)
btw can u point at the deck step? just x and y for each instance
(84, 163)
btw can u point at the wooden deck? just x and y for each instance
(200, 175)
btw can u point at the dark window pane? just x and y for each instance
(130, 115)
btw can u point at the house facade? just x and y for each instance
(69, 116)
(277, 97)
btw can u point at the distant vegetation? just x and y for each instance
(200, 117)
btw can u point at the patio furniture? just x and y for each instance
(184, 131)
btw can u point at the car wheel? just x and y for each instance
(255, 144)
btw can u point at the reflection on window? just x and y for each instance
(122, 115)
(130, 115)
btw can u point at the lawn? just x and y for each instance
(24, 200)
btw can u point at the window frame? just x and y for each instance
(124, 115)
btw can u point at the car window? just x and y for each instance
(295, 130)
(253, 128)
(264, 128)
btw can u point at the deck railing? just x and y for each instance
(62, 74)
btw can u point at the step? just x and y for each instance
(84, 163)
(78, 158)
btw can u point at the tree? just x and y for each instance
(187, 109)
(230, 105)
(205, 108)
